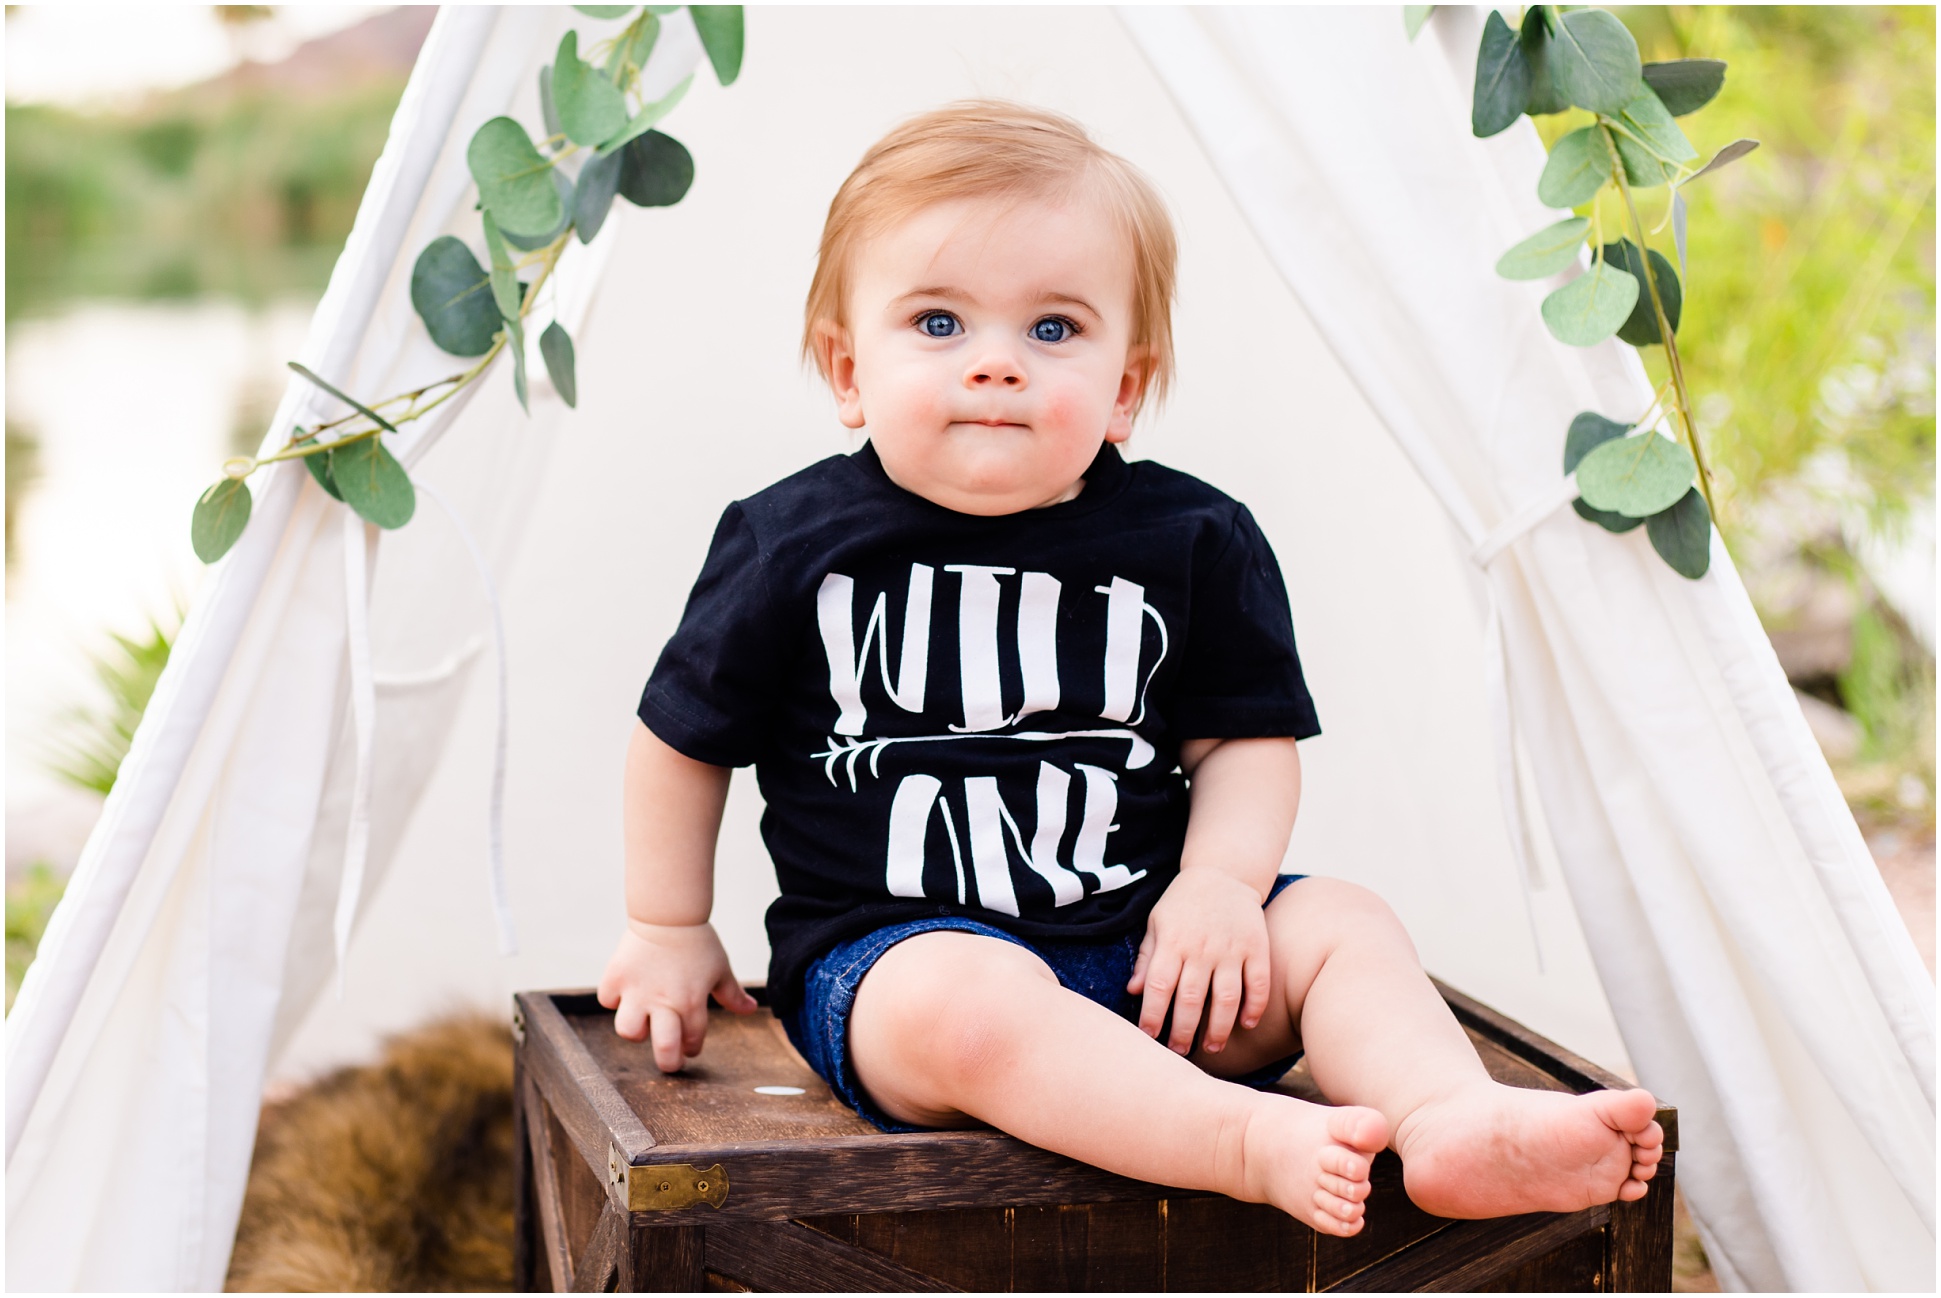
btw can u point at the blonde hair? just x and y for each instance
(989, 148)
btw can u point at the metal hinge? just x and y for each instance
(667, 1186)
(518, 1023)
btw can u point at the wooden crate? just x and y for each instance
(632, 1180)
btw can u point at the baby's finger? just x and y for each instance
(694, 1030)
(1162, 975)
(1138, 980)
(1258, 977)
(630, 1020)
(732, 996)
(1221, 1007)
(1187, 1002)
(666, 1031)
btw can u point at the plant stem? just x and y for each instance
(1683, 402)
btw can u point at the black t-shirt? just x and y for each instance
(958, 715)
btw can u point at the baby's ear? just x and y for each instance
(835, 356)
(1132, 391)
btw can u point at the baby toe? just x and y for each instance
(1342, 1188)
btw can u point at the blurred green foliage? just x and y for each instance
(242, 191)
(30, 901)
(95, 739)
(1808, 336)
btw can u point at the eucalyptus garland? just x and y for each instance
(531, 203)
(1563, 57)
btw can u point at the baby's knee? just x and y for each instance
(1345, 909)
(953, 1002)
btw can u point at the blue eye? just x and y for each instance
(1052, 330)
(939, 324)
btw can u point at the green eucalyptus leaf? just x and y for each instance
(1588, 431)
(516, 344)
(512, 178)
(1502, 79)
(1636, 475)
(631, 48)
(1640, 328)
(643, 121)
(1682, 535)
(1594, 60)
(605, 11)
(593, 195)
(656, 171)
(452, 295)
(1590, 308)
(1549, 250)
(506, 292)
(1578, 167)
(1604, 518)
(1685, 85)
(548, 111)
(1649, 142)
(1413, 16)
(556, 349)
(220, 517)
(343, 396)
(373, 483)
(1544, 95)
(591, 108)
(527, 243)
(721, 36)
(1725, 157)
(319, 466)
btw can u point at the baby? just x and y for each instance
(1024, 715)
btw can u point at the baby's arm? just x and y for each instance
(1206, 941)
(669, 959)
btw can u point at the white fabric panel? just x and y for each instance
(192, 925)
(1758, 971)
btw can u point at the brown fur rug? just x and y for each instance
(395, 1176)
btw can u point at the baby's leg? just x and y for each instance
(951, 1027)
(1378, 1034)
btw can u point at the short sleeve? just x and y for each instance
(714, 692)
(1240, 675)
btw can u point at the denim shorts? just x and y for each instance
(1097, 970)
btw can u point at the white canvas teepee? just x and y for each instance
(1335, 282)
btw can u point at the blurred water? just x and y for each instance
(133, 407)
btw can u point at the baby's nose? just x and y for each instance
(996, 371)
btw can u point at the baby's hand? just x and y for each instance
(659, 980)
(1207, 932)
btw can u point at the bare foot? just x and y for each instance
(1311, 1161)
(1493, 1151)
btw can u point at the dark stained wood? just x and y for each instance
(1392, 1223)
(583, 1197)
(1467, 1255)
(557, 1255)
(899, 1173)
(1124, 1247)
(528, 1244)
(662, 1259)
(713, 1099)
(788, 1256)
(589, 1109)
(1577, 1267)
(595, 1267)
(978, 1210)
(1637, 1260)
(1222, 1244)
(969, 1248)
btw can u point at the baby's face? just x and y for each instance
(989, 351)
